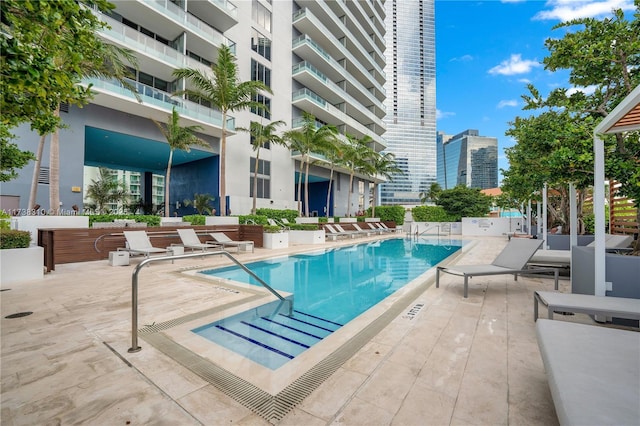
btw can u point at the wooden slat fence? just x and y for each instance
(71, 245)
(623, 216)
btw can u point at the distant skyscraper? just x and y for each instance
(411, 98)
(467, 159)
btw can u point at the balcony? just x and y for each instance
(221, 14)
(156, 104)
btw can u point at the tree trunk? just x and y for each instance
(300, 190)
(329, 191)
(373, 207)
(33, 194)
(54, 169)
(255, 182)
(223, 169)
(349, 194)
(306, 189)
(167, 202)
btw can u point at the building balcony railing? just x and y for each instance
(190, 22)
(165, 101)
(142, 43)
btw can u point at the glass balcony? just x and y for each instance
(163, 100)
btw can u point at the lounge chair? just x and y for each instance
(383, 227)
(333, 233)
(356, 233)
(511, 260)
(138, 243)
(222, 239)
(593, 372)
(363, 231)
(562, 258)
(375, 228)
(617, 307)
(190, 240)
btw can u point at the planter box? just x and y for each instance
(306, 237)
(275, 241)
(33, 223)
(21, 264)
(221, 220)
(307, 220)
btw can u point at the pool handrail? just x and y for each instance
(134, 287)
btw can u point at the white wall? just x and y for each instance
(33, 223)
(490, 226)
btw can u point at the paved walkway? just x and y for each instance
(453, 361)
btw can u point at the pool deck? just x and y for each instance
(453, 361)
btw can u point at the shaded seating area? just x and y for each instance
(190, 239)
(593, 372)
(222, 239)
(511, 260)
(138, 243)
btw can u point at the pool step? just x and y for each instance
(271, 340)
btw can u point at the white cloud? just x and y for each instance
(524, 80)
(514, 65)
(589, 90)
(508, 103)
(566, 10)
(464, 58)
(442, 114)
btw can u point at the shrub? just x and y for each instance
(253, 219)
(195, 219)
(271, 229)
(5, 220)
(12, 238)
(277, 214)
(389, 213)
(430, 214)
(304, 227)
(150, 220)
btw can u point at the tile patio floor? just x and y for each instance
(457, 361)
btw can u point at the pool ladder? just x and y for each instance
(134, 288)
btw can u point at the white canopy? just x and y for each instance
(624, 118)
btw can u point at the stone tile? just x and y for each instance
(425, 406)
(368, 358)
(330, 396)
(359, 412)
(212, 407)
(387, 386)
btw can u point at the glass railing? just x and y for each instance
(197, 26)
(164, 100)
(306, 93)
(305, 66)
(231, 8)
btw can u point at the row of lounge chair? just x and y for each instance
(593, 372)
(138, 242)
(335, 231)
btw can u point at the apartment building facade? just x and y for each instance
(411, 99)
(321, 57)
(467, 159)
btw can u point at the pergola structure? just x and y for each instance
(624, 118)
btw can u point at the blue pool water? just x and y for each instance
(330, 288)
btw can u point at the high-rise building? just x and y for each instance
(321, 57)
(467, 159)
(411, 98)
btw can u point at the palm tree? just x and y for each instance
(357, 160)
(223, 90)
(201, 202)
(334, 154)
(177, 137)
(431, 194)
(106, 190)
(383, 165)
(307, 140)
(262, 135)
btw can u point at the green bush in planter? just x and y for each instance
(253, 219)
(5, 220)
(277, 214)
(12, 238)
(195, 219)
(269, 229)
(430, 214)
(389, 213)
(150, 220)
(304, 227)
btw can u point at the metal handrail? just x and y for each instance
(134, 288)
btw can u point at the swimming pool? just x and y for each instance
(330, 288)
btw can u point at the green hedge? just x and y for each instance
(277, 214)
(12, 238)
(389, 213)
(304, 227)
(150, 220)
(5, 220)
(430, 214)
(195, 219)
(271, 229)
(253, 219)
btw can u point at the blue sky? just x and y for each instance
(487, 52)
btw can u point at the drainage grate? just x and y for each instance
(274, 408)
(19, 315)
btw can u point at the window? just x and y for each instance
(261, 15)
(264, 177)
(262, 112)
(260, 44)
(260, 73)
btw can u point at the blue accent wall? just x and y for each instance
(197, 177)
(318, 198)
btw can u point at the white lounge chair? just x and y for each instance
(333, 233)
(562, 258)
(363, 231)
(375, 228)
(138, 243)
(341, 229)
(617, 307)
(593, 372)
(222, 239)
(511, 260)
(190, 240)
